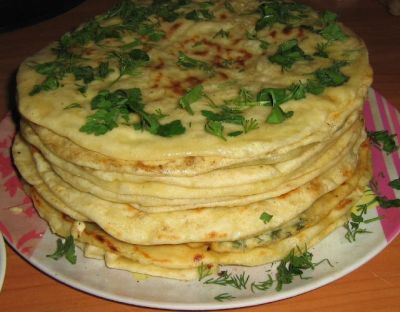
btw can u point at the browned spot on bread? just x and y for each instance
(287, 30)
(67, 218)
(192, 82)
(177, 88)
(147, 168)
(214, 235)
(273, 33)
(159, 65)
(315, 186)
(201, 53)
(189, 160)
(174, 28)
(214, 45)
(245, 57)
(198, 258)
(223, 75)
(344, 204)
(287, 194)
(223, 16)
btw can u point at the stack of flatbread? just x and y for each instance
(169, 136)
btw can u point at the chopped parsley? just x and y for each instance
(111, 107)
(288, 53)
(395, 184)
(215, 128)
(331, 30)
(222, 34)
(130, 62)
(320, 49)
(278, 11)
(253, 36)
(190, 97)
(200, 15)
(189, 62)
(331, 76)
(265, 217)
(73, 105)
(383, 140)
(65, 249)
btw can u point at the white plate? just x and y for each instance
(3, 260)
(30, 237)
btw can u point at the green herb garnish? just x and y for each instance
(112, 106)
(320, 49)
(331, 76)
(215, 128)
(73, 105)
(388, 203)
(264, 285)
(188, 62)
(226, 115)
(190, 97)
(277, 11)
(295, 265)
(222, 33)
(65, 249)
(278, 116)
(200, 15)
(383, 140)
(203, 271)
(395, 184)
(229, 6)
(130, 62)
(227, 279)
(288, 53)
(353, 227)
(265, 217)
(223, 297)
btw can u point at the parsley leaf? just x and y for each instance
(200, 15)
(383, 140)
(395, 184)
(388, 203)
(188, 62)
(276, 11)
(331, 76)
(130, 62)
(215, 128)
(65, 249)
(265, 217)
(320, 49)
(288, 53)
(190, 97)
(333, 32)
(73, 105)
(225, 115)
(222, 33)
(112, 106)
(278, 116)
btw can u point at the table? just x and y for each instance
(374, 286)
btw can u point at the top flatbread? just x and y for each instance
(315, 117)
